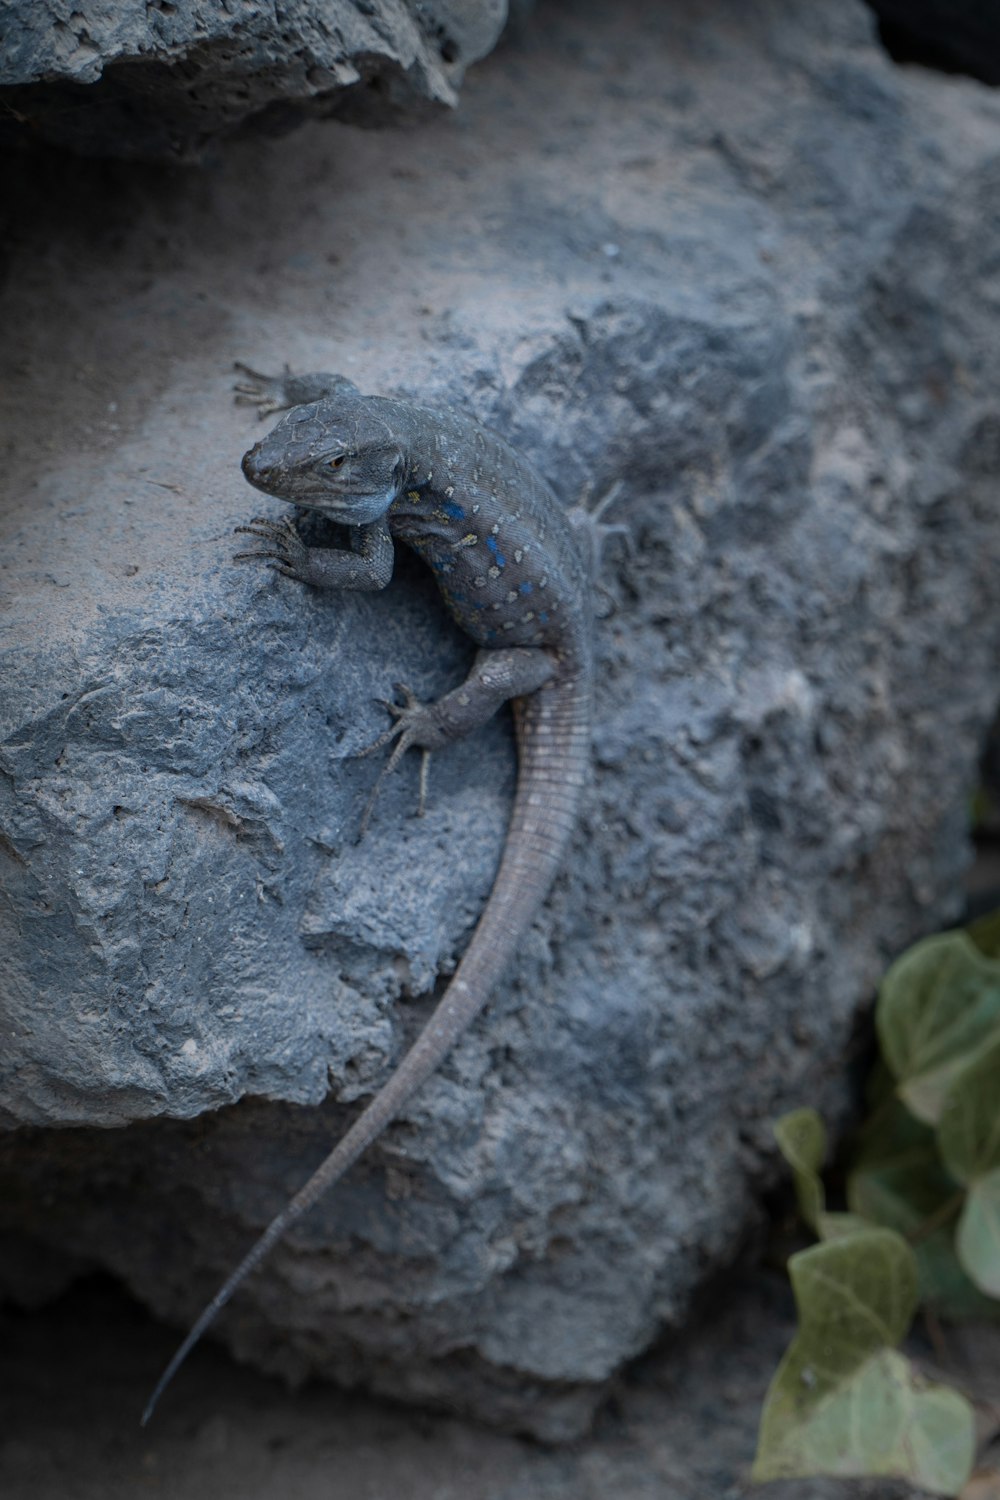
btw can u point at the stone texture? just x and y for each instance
(738, 260)
(164, 80)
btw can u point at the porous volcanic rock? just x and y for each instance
(729, 255)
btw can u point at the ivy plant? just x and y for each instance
(922, 1227)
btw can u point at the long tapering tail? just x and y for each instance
(553, 730)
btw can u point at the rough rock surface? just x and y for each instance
(736, 259)
(162, 80)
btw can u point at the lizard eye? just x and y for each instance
(336, 463)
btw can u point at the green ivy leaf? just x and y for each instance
(938, 1004)
(978, 1238)
(836, 1226)
(899, 1182)
(801, 1138)
(892, 1137)
(969, 1137)
(969, 1128)
(985, 933)
(843, 1402)
(945, 1285)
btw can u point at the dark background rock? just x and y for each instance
(161, 81)
(736, 259)
(683, 1422)
(957, 36)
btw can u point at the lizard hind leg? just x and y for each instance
(496, 677)
(271, 393)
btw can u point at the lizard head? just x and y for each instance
(336, 456)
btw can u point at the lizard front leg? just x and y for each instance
(495, 678)
(366, 568)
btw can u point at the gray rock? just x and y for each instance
(162, 81)
(739, 261)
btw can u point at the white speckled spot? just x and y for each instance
(493, 572)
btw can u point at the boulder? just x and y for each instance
(164, 81)
(733, 258)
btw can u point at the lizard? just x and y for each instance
(517, 572)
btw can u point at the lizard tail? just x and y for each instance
(553, 733)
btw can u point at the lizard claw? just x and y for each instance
(591, 529)
(405, 730)
(399, 711)
(267, 526)
(285, 551)
(410, 704)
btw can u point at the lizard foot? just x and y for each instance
(270, 393)
(411, 727)
(266, 392)
(594, 533)
(592, 530)
(285, 552)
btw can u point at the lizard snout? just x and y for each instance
(256, 467)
